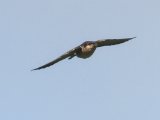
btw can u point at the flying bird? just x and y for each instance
(85, 50)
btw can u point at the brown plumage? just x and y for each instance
(85, 50)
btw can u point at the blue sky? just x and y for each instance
(117, 83)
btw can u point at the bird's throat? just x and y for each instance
(87, 51)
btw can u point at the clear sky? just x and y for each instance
(117, 83)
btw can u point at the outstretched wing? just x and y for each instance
(107, 42)
(65, 55)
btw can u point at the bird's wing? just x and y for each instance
(107, 42)
(65, 55)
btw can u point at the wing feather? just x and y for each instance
(65, 55)
(108, 42)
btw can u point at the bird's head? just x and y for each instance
(86, 43)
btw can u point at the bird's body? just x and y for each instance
(85, 50)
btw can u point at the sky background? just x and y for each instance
(117, 83)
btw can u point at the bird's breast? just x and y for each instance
(87, 51)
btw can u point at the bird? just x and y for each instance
(85, 50)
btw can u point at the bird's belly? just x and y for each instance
(85, 53)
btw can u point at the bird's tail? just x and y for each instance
(71, 57)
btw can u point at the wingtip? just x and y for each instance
(34, 69)
(132, 38)
(39, 68)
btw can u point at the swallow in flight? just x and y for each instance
(85, 50)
